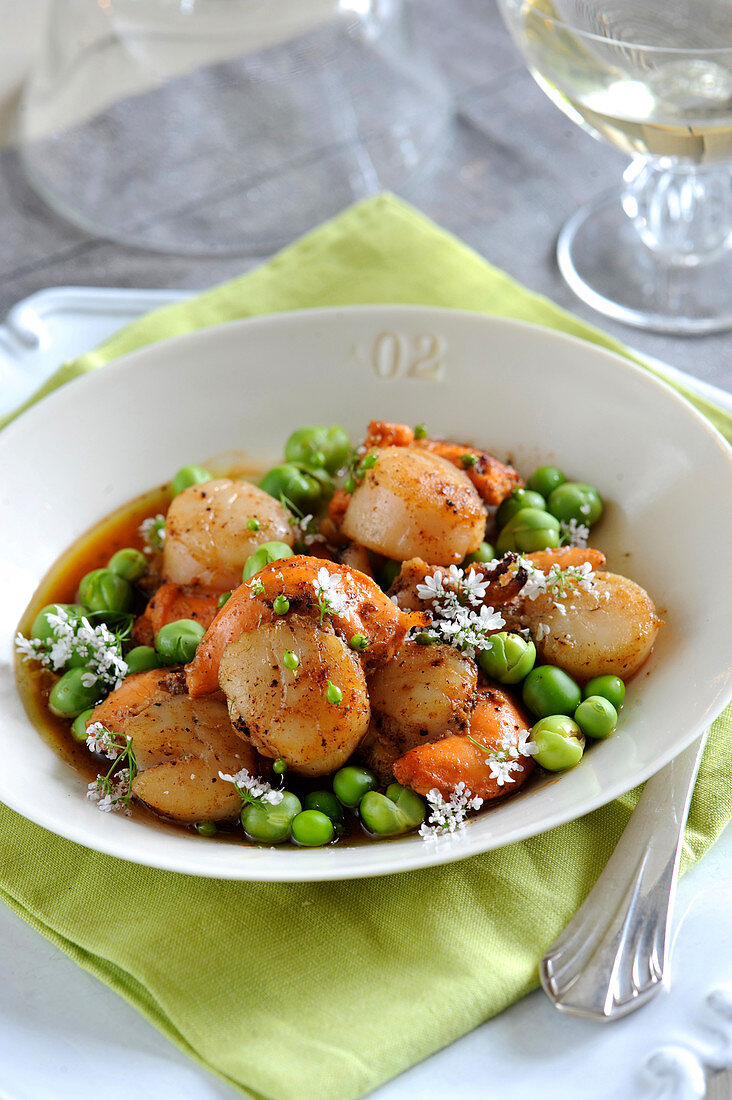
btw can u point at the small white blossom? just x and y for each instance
(432, 588)
(152, 532)
(541, 632)
(305, 529)
(111, 794)
(257, 789)
(585, 509)
(74, 636)
(501, 769)
(475, 587)
(329, 592)
(448, 817)
(504, 760)
(573, 533)
(99, 739)
(557, 581)
(29, 649)
(454, 621)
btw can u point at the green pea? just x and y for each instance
(388, 572)
(141, 659)
(395, 812)
(485, 552)
(611, 688)
(530, 529)
(420, 431)
(41, 630)
(576, 500)
(268, 824)
(550, 690)
(312, 829)
(467, 460)
(545, 480)
(519, 499)
(177, 642)
(265, 555)
(359, 642)
(297, 486)
(128, 563)
(280, 605)
(206, 828)
(596, 717)
(223, 598)
(559, 741)
(103, 590)
(425, 638)
(351, 783)
(280, 766)
(290, 660)
(78, 726)
(326, 802)
(71, 695)
(319, 447)
(189, 475)
(333, 694)
(507, 658)
(253, 524)
(337, 448)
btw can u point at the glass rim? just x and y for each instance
(699, 51)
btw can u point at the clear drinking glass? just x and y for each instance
(223, 126)
(653, 77)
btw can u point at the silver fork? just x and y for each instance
(612, 956)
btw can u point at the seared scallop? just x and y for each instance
(311, 716)
(415, 504)
(208, 536)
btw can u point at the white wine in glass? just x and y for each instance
(653, 77)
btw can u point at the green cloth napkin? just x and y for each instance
(325, 990)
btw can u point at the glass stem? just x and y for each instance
(682, 211)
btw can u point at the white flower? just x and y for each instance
(258, 789)
(475, 587)
(541, 631)
(73, 636)
(573, 533)
(111, 794)
(453, 619)
(535, 583)
(152, 532)
(432, 588)
(525, 746)
(557, 581)
(448, 817)
(329, 591)
(501, 769)
(504, 760)
(99, 739)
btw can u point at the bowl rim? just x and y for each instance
(383, 858)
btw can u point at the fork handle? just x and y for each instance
(611, 957)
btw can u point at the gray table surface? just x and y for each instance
(508, 171)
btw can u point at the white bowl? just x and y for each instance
(518, 390)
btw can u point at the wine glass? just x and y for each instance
(224, 126)
(653, 77)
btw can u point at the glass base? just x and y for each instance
(607, 265)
